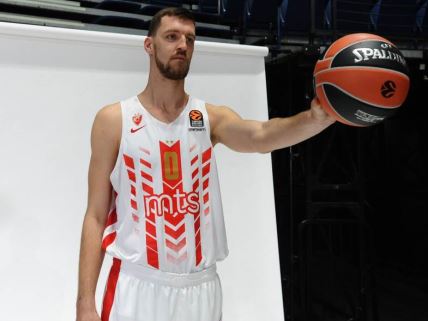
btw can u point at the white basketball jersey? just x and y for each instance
(166, 211)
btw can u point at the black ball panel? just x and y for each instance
(354, 110)
(371, 53)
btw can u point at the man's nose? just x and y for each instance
(182, 44)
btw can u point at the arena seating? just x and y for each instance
(245, 21)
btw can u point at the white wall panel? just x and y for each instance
(52, 82)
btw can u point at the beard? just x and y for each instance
(178, 72)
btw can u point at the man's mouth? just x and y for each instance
(179, 57)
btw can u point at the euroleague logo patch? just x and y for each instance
(388, 89)
(196, 119)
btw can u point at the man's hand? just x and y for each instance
(319, 114)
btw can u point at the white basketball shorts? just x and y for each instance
(138, 293)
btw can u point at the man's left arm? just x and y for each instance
(228, 128)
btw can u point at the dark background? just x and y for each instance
(373, 266)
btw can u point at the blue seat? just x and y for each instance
(232, 9)
(166, 3)
(124, 22)
(261, 13)
(421, 17)
(119, 5)
(209, 6)
(356, 16)
(150, 10)
(294, 16)
(397, 17)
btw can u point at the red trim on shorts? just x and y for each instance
(111, 289)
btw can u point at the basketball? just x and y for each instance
(361, 80)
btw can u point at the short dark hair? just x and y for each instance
(174, 12)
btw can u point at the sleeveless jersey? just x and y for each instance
(166, 210)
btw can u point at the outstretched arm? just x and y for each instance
(228, 128)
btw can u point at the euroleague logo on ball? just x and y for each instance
(388, 89)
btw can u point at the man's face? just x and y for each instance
(173, 47)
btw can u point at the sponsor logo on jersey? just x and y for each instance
(173, 204)
(196, 121)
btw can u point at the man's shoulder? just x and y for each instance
(109, 113)
(109, 110)
(109, 120)
(211, 108)
(218, 110)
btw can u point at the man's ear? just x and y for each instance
(148, 45)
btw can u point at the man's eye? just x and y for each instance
(170, 37)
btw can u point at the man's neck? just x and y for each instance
(165, 95)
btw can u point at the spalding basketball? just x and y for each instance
(361, 79)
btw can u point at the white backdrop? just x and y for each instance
(52, 82)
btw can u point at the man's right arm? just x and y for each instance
(105, 140)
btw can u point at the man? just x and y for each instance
(153, 199)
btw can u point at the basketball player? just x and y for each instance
(154, 201)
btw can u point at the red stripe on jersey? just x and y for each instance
(152, 258)
(111, 289)
(151, 242)
(109, 239)
(206, 156)
(194, 160)
(195, 172)
(197, 238)
(145, 163)
(150, 228)
(174, 234)
(197, 223)
(206, 198)
(174, 220)
(205, 169)
(135, 218)
(207, 210)
(148, 189)
(134, 204)
(146, 176)
(131, 175)
(198, 254)
(112, 217)
(172, 178)
(129, 161)
(205, 184)
(176, 247)
(133, 191)
(196, 185)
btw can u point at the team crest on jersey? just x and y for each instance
(137, 118)
(196, 120)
